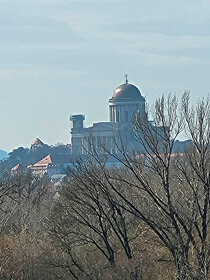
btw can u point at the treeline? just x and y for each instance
(148, 219)
(25, 156)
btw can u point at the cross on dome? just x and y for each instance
(126, 78)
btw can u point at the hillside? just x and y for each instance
(3, 154)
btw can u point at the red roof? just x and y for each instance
(43, 163)
(68, 145)
(16, 167)
(37, 142)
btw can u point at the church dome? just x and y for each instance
(127, 91)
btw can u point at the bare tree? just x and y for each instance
(94, 216)
(170, 193)
(21, 217)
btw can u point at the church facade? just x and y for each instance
(125, 102)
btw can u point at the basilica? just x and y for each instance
(115, 138)
(125, 102)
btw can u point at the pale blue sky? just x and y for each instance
(61, 57)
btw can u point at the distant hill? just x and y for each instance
(3, 154)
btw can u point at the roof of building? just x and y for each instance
(37, 142)
(16, 167)
(43, 163)
(127, 91)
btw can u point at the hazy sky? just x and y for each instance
(61, 57)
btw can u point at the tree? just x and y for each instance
(168, 192)
(24, 207)
(87, 215)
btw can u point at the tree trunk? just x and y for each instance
(181, 267)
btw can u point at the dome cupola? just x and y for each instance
(127, 91)
(125, 102)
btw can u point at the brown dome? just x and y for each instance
(127, 91)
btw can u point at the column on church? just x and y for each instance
(93, 142)
(108, 143)
(110, 148)
(113, 114)
(110, 114)
(84, 146)
(104, 143)
(120, 114)
(98, 143)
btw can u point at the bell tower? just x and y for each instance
(76, 132)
